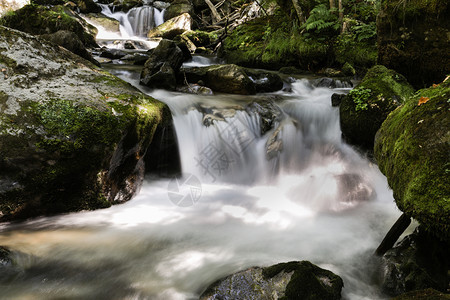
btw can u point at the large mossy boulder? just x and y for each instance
(72, 136)
(426, 294)
(36, 19)
(414, 39)
(420, 261)
(412, 149)
(365, 108)
(161, 68)
(290, 281)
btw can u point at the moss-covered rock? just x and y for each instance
(289, 281)
(36, 19)
(414, 38)
(179, 7)
(365, 108)
(412, 150)
(72, 136)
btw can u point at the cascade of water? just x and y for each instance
(137, 21)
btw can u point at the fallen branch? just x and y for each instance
(393, 234)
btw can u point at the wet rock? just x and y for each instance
(268, 111)
(427, 294)
(233, 79)
(332, 83)
(418, 262)
(336, 99)
(72, 136)
(71, 42)
(292, 280)
(265, 81)
(411, 149)
(161, 68)
(112, 53)
(196, 89)
(366, 106)
(37, 20)
(172, 27)
(414, 39)
(136, 58)
(5, 257)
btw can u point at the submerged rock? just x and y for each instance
(412, 149)
(366, 106)
(290, 281)
(419, 261)
(72, 136)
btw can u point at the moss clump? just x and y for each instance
(427, 294)
(365, 108)
(36, 19)
(308, 281)
(412, 149)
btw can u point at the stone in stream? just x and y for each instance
(291, 281)
(365, 108)
(412, 149)
(72, 136)
(5, 257)
(161, 68)
(419, 261)
(233, 79)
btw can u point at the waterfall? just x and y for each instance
(224, 143)
(137, 21)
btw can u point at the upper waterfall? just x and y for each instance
(137, 21)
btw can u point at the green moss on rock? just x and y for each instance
(412, 150)
(72, 136)
(36, 19)
(365, 108)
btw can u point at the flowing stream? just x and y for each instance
(293, 192)
(316, 199)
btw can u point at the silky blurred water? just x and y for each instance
(316, 199)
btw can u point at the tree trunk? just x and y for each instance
(341, 11)
(331, 4)
(299, 11)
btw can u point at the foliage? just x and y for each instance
(321, 20)
(360, 97)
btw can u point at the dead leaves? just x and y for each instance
(423, 100)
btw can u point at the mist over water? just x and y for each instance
(317, 199)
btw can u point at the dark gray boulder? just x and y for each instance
(291, 281)
(71, 42)
(161, 68)
(419, 261)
